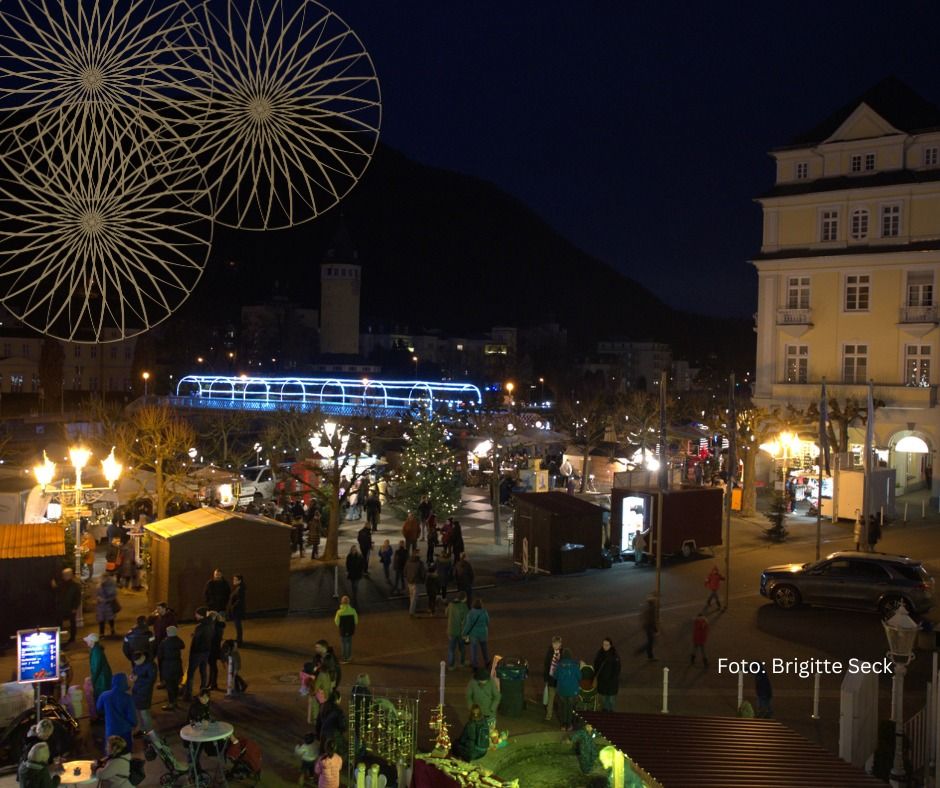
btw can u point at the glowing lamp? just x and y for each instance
(329, 427)
(901, 631)
(111, 468)
(45, 472)
(79, 456)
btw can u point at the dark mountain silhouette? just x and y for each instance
(449, 251)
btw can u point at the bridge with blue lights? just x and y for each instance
(339, 396)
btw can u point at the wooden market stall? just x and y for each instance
(549, 521)
(30, 556)
(185, 549)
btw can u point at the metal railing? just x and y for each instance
(793, 317)
(920, 314)
(917, 733)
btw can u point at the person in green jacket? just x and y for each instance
(476, 629)
(456, 617)
(34, 771)
(346, 620)
(98, 665)
(482, 691)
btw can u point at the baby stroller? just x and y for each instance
(244, 757)
(177, 772)
(587, 692)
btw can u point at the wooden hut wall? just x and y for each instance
(26, 597)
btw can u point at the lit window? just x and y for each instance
(920, 288)
(890, 221)
(798, 292)
(859, 224)
(797, 364)
(802, 170)
(830, 225)
(855, 363)
(917, 365)
(856, 292)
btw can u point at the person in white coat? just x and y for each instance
(115, 770)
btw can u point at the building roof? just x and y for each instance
(557, 503)
(33, 540)
(896, 102)
(724, 752)
(188, 522)
(841, 182)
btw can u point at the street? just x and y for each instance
(399, 652)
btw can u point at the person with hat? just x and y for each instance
(163, 616)
(98, 665)
(483, 691)
(34, 771)
(40, 732)
(170, 662)
(200, 645)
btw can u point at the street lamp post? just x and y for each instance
(541, 391)
(415, 359)
(79, 457)
(900, 631)
(146, 377)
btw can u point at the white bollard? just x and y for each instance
(923, 509)
(740, 690)
(230, 678)
(665, 709)
(335, 582)
(815, 714)
(882, 517)
(441, 691)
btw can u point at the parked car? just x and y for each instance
(257, 480)
(867, 581)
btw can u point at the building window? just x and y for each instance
(856, 292)
(114, 353)
(802, 170)
(78, 351)
(856, 165)
(25, 351)
(890, 221)
(92, 384)
(855, 363)
(16, 383)
(869, 162)
(7, 349)
(859, 224)
(93, 352)
(830, 225)
(127, 354)
(797, 363)
(931, 157)
(920, 288)
(798, 292)
(917, 365)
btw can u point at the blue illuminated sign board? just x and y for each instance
(37, 655)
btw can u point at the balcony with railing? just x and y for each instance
(793, 317)
(894, 395)
(920, 314)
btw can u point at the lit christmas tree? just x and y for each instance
(429, 467)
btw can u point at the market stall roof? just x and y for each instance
(187, 522)
(724, 752)
(33, 540)
(557, 502)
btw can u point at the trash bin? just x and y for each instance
(512, 674)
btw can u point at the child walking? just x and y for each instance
(308, 752)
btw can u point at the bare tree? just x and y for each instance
(155, 437)
(223, 434)
(588, 413)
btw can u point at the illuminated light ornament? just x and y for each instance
(912, 445)
(287, 113)
(104, 232)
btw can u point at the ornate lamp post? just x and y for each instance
(146, 377)
(79, 457)
(901, 631)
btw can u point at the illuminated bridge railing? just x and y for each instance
(333, 395)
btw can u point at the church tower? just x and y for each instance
(340, 282)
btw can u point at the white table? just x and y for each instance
(199, 734)
(85, 776)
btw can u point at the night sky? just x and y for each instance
(638, 130)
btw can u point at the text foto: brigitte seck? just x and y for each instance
(804, 668)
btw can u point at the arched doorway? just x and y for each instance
(911, 456)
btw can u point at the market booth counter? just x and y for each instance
(692, 518)
(566, 531)
(185, 549)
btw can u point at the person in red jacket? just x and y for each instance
(699, 637)
(713, 583)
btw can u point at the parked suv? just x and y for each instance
(868, 581)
